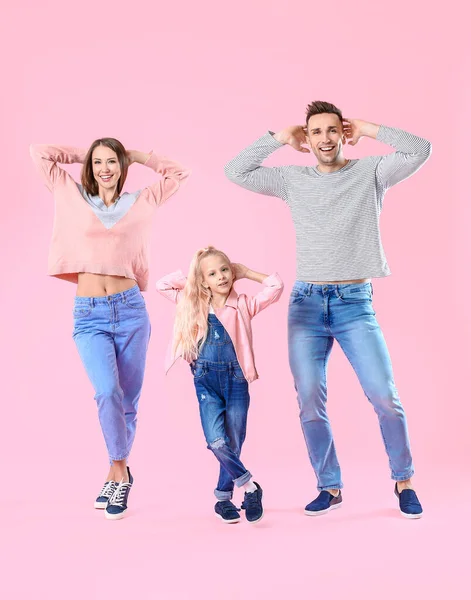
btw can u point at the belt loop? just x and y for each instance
(92, 302)
(310, 285)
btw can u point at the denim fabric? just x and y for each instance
(223, 397)
(112, 334)
(318, 315)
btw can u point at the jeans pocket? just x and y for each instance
(296, 297)
(197, 370)
(356, 294)
(237, 373)
(136, 302)
(82, 310)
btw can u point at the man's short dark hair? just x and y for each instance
(318, 107)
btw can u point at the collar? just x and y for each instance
(231, 300)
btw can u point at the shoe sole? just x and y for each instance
(115, 517)
(100, 505)
(318, 513)
(256, 521)
(409, 516)
(228, 521)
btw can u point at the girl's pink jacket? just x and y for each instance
(236, 317)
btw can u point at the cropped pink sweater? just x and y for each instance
(80, 242)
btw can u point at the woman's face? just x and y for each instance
(106, 169)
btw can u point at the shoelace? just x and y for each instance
(117, 499)
(108, 489)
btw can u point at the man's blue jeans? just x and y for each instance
(318, 315)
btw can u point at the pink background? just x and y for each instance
(198, 82)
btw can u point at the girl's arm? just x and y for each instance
(270, 294)
(171, 285)
(46, 158)
(173, 174)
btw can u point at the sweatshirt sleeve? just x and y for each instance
(270, 294)
(246, 169)
(46, 159)
(172, 285)
(411, 153)
(173, 175)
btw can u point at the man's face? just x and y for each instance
(326, 138)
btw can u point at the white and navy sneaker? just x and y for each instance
(118, 503)
(105, 494)
(226, 511)
(252, 505)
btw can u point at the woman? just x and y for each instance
(100, 242)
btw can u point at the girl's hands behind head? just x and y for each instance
(239, 270)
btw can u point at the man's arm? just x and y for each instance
(411, 151)
(246, 170)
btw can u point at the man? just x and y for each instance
(335, 208)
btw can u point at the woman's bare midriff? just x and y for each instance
(94, 286)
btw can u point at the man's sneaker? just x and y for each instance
(226, 511)
(409, 504)
(118, 503)
(252, 505)
(324, 502)
(105, 494)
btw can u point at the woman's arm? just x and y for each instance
(171, 285)
(173, 174)
(46, 158)
(270, 294)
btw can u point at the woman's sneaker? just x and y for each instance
(252, 505)
(226, 511)
(105, 494)
(118, 503)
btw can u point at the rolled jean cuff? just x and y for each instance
(222, 495)
(404, 477)
(113, 459)
(336, 486)
(243, 479)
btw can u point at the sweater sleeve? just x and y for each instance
(246, 170)
(270, 294)
(46, 159)
(173, 175)
(172, 285)
(411, 153)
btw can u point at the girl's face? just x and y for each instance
(106, 169)
(217, 275)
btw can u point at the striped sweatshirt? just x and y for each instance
(335, 215)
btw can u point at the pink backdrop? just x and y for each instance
(198, 82)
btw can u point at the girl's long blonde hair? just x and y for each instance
(191, 321)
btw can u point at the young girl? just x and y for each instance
(213, 333)
(100, 241)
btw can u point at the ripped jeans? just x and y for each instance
(223, 397)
